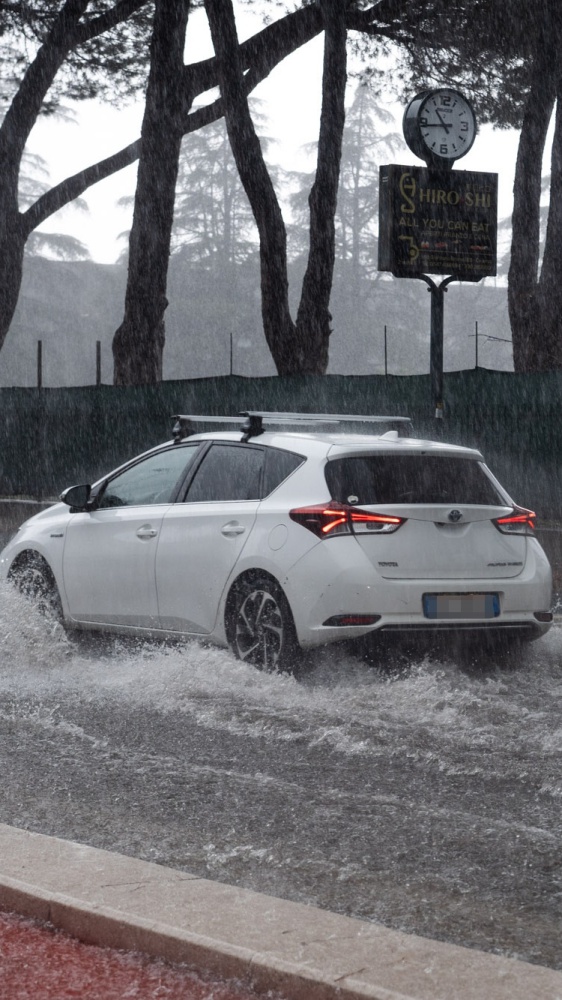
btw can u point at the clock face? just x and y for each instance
(439, 124)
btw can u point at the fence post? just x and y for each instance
(39, 364)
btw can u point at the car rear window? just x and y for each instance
(384, 479)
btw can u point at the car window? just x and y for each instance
(278, 465)
(227, 472)
(152, 480)
(378, 479)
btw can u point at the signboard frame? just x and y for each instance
(437, 222)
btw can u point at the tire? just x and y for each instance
(260, 627)
(32, 576)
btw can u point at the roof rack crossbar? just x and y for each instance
(287, 415)
(274, 416)
(400, 424)
(253, 425)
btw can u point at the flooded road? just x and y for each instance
(415, 791)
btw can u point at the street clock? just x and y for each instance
(439, 126)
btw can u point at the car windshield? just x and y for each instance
(386, 479)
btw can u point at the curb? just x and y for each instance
(269, 944)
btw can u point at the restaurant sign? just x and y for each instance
(437, 222)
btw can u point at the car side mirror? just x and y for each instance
(76, 497)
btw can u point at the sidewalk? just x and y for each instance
(241, 939)
(39, 962)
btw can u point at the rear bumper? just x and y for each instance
(349, 585)
(526, 630)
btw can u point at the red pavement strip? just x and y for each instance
(38, 962)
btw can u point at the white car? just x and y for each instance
(266, 540)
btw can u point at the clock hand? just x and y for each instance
(446, 125)
(439, 124)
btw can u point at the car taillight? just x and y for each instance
(520, 522)
(329, 519)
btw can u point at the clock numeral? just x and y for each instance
(464, 126)
(443, 149)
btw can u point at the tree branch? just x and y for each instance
(268, 47)
(259, 55)
(65, 34)
(73, 187)
(283, 37)
(105, 22)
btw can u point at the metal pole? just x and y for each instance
(385, 352)
(436, 349)
(476, 344)
(436, 340)
(98, 362)
(39, 364)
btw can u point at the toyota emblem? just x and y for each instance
(455, 515)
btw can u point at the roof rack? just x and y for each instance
(185, 424)
(253, 424)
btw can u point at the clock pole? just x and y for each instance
(436, 339)
(433, 220)
(439, 126)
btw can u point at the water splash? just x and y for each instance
(389, 791)
(429, 707)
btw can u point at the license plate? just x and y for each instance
(461, 606)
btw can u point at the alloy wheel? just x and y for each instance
(260, 629)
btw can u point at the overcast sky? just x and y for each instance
(291, 97)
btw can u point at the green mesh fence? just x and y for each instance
(52, 438)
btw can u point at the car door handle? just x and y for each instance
(232, 529)
(146, 532)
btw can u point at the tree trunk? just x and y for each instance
(67, 31)
(278, 325)
(14, 132)
(12, 246)
(260, 54)
(525, 246)
(545, 343)
(138, 344)
(313, 317)
(302, 347)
